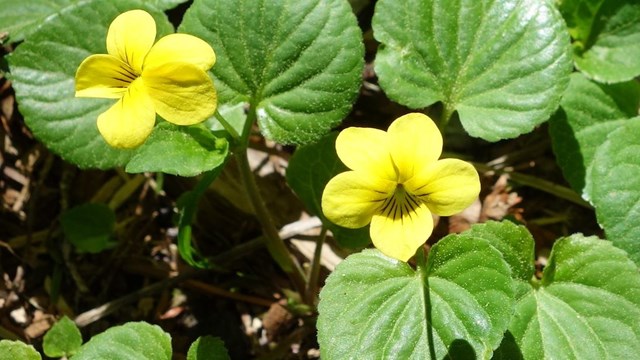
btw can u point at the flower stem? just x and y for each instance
(314, 273)
(274, 243)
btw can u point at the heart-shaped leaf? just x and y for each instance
(21, 18)
(373, 306)
(13, 350)
(207, 347)
(89, 227)
(589, 113)
(615, 187)
(587, 307)
(606, 37)
(63, 339)
(134, 340)
(502, 65)
(298, 62)
(310, 169)
(43, 71)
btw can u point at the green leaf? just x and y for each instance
(179, 150)
(298, 62)
(13, 350)
(502, 65)
(373, 306)
(208, 348)
(310, 169)
(133, 340)
(615, 187)
(63, 339)
(515, 244)
(43, 73)
(589, 113)
(606, 37)
(89, 227)
(587, 307)
(21, 18)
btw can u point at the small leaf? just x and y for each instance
(133, 340)
(208, 348)
(587, 307)
(606, 37)
(589, 113)
(298, 62)
(43, 72)
(63, 339)
(502, 65)
(310, 169)
(615, 187)
(373, 306)
(14, 350)
(179, 150)
(89, 227)
(514, 243)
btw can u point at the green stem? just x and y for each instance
(314, 273)
(227, 126)
(537, 183)
(421, 262)
(274, 243)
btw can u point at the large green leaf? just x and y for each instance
(21, 18)
(13, 350)
(63, 339)
(134, 340)
(589, 112)
(503, 65)
(615, 187)
(299, 62)
(43, 71)
(588, 306)
(606, 37)
(374, 307)
(310, 169)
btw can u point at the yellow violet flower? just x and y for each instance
(168, 78)
(396, 182)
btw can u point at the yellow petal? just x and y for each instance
(448, 186)
(415, 142)
(181, 48)
(400, 236)
(350, 199)
(129, 122)
(366, 149)
(130, 37)
(182, 93)
(103, 76)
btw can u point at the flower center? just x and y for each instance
(400, 204)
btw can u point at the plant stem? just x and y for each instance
(314, 273)
(227, 126)
(274, 243)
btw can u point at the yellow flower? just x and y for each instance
(168, 78)
(395, 183)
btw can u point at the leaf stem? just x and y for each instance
(314, 273)
(227, 126)
(274, 243)
(421, 262)
(447, 113)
